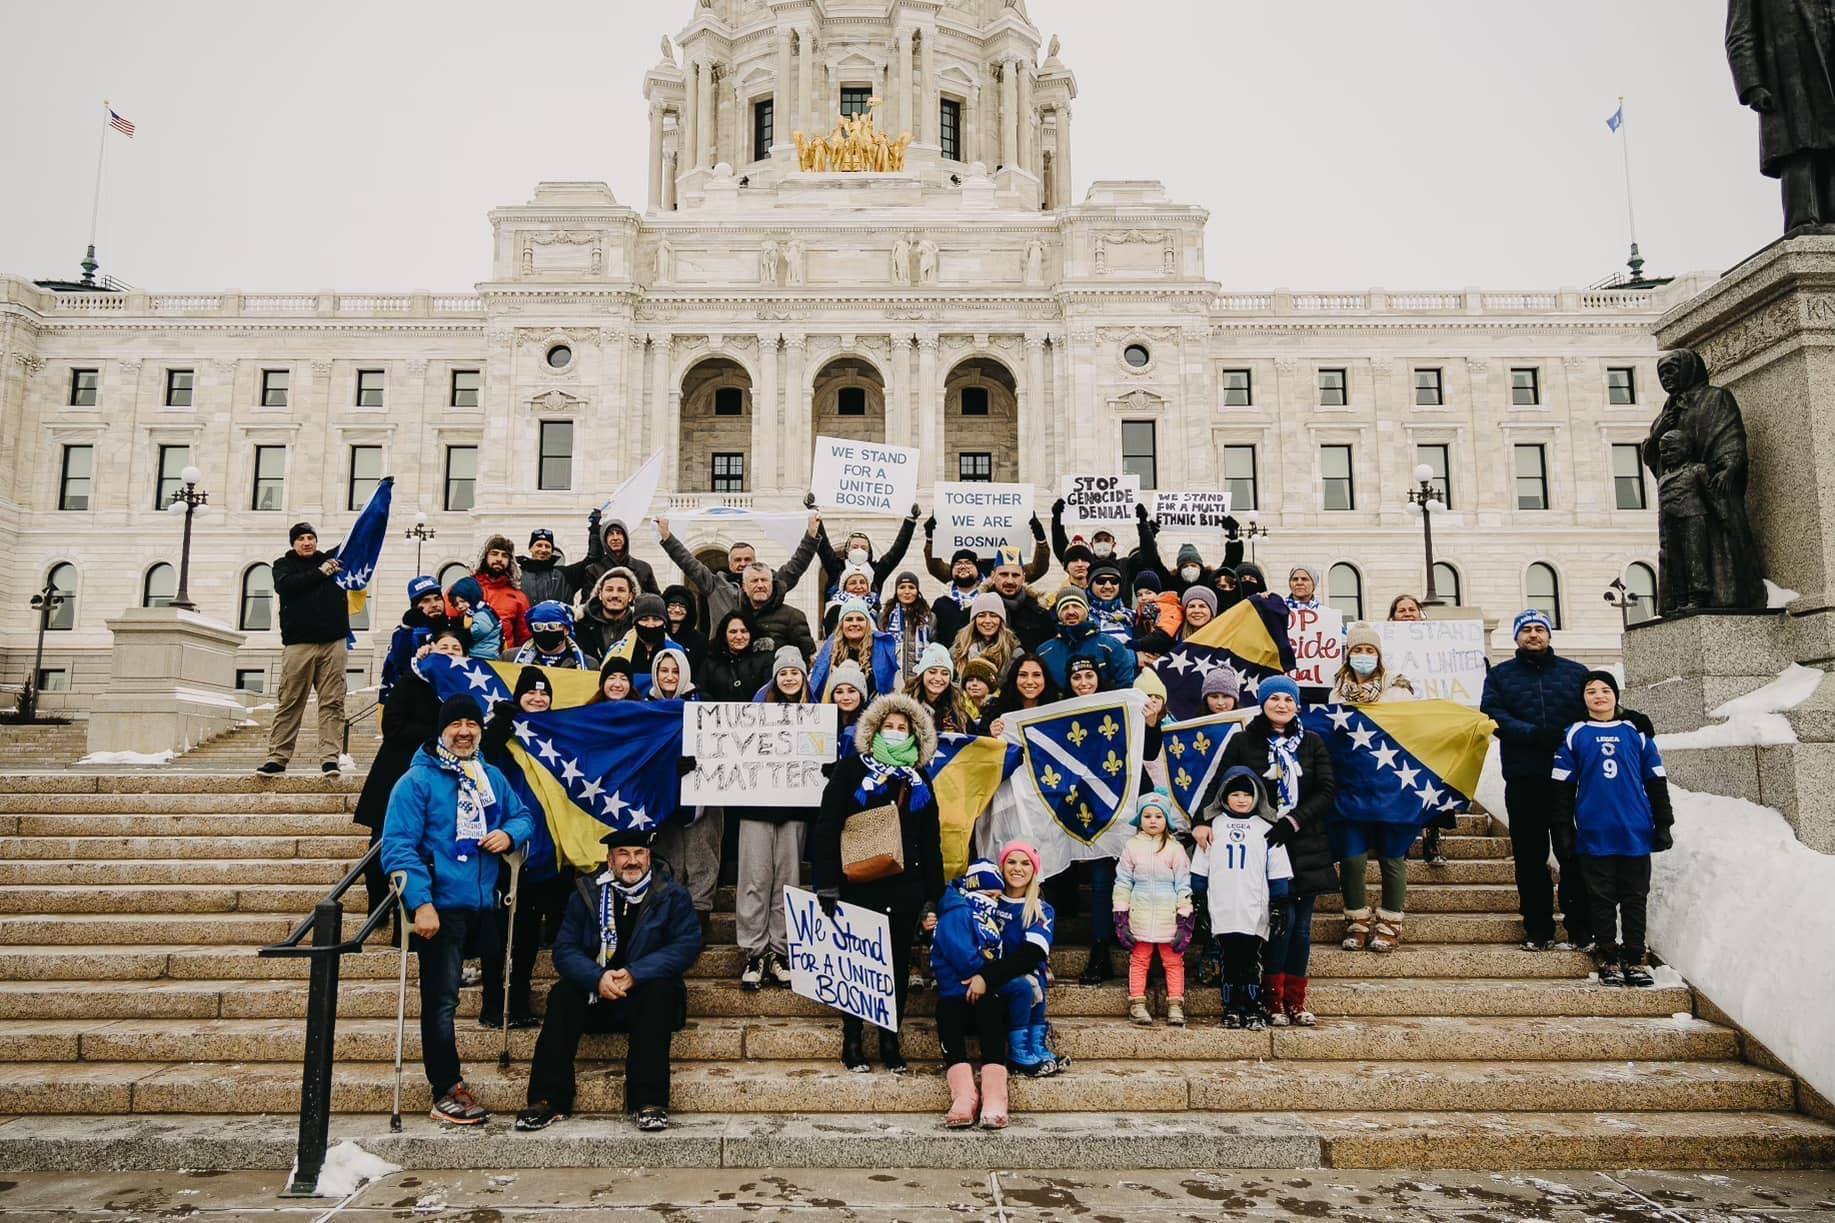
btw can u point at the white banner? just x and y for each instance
(1317, 637)
(786, 530)
(753, 754)
(1444, 659)
(864, 477)
(845, 961)
(631, 503)
(981, 517)
(1100, 501)
(1191, 511)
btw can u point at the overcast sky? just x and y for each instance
(1336, 143)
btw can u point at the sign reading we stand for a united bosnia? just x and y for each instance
(752, 754)
(1100, 501)
(864, 477)
(844, 961)
(981, 517)
(1443, 659)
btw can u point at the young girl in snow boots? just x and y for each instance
(1152, 907)
(1241, 864)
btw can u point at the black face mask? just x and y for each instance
(549, 643)
(651, 636)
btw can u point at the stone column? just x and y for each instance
(630, 415)
(1061, 162)
(971, 125)
(1028, 156)
(656, 156)
(708, 146)
(805, 83)
(901, 82)
(898, 403)
(781, 122)
(1009, 112)
(1033, 413)
(767, 419)
(927, 409)
(688, 138)
(659, 428)
(927, 113)
(671, 167)
(796, 414)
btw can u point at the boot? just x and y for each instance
(1041, 1045)
(891, 1055)
(1431, 852)
(1386, 933)
(1272, 1006)
(1356, 929)
(1022, 1053)
(853, 1056)
(1175, 1012)
(962, 1099)
(1294, 998)
(1138, 1013)
(993, 1097)
(1099, 969)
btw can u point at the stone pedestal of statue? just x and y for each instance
(173, 684)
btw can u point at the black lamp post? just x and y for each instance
(189, 501)
(44, 603)
(1252, 531)
(1624, 598)
(1424, 500)
(420, 533)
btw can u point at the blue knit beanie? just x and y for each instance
(1527, 617)
(1276, 685)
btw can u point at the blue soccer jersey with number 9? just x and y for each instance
(1609, 762)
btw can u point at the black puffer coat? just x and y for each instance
(921, 882)
(313, 608)
(725, 676)
(1310, 848)
(410, 720)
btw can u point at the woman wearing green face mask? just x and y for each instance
(1364, 680)
(896, 740)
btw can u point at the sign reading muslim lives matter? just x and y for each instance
(752, 754)
(864, 477)
(1100, 501)
(1191, 511)
(981, 517)
(844, 961)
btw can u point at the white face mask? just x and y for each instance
(1103, 549)
(1189, 573)
(857, 556)
(1363, 664)
(895, 738)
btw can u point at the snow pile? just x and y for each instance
(346, 764)
(1777, 596)
(1741, 908)
(134, 758)
(1756, 719)
(348, 1167)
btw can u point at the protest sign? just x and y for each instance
(1100, 501)
(1191, 511)
(844, 961)
(864, 477)
(981, 517)
(752, 754)
(1317, 636)
(1443, 659)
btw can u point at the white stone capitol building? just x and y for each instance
(974, 303)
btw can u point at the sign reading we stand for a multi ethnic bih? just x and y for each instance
(864, 477)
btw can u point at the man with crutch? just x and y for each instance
(627, 938)
(450, 817)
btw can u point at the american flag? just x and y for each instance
(124, 126)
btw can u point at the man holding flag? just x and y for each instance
(314, 627)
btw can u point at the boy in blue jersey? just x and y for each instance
(1612, 802)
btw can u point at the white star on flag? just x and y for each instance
(613, 806)
(524, 732)
(1179, 662)
(638, 818)
(1406, 775)
(1429, 795)
(570, 772)
(1362, 737)
(478, 679)
(593, 789)
(1385, 756)
(1341, 718)
(545, 749)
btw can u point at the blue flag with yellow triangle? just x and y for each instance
(362, 548)
(1191, 751)
(965, 773)
(1249, 639)
(1399, 763)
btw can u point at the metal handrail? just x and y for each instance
(289, 946)
(355, 718)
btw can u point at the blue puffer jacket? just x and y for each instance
(664, 944)
(1533, 698)
(955, 953)
(419, 830)
(1115, 662)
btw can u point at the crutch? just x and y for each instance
(398, 886)
(516, 857)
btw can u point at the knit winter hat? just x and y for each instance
(301, 528)
(853, 571)
(681, 596)
(1200, 594)
(847, 671)
(1078, 552)
(1149, 681)
(1222, 682)
(421, 586)
(1309, 571)
(1152, 800)
(1362, 633)
(540, 533)
(466, 588)
(906, 576)
(788, 657)
(1240, 778)
(461, 707)
(1146, 579)
(1068, 595)
(988, 601)
(1527, 617)
(648, 605)
(853, 605)
(531, 679)
(1024, 847)
(1604, 677)
(982, 876)
(615, 664)
(1189, 554)
(964, 554)
(935, 655)
(1106, 569)
(1278, 685)
(1080, 663)
(550, 615)
(981, 669)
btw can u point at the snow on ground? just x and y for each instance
(1777, 596)
(135, 758)
(348, 1167)
(1756, 719)
(1741, 908)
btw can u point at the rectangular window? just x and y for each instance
(461, 477)
(251, 679)
(851, 401)
(1429, 389)
(1525, 387)
(172, 463)
(729, 472)
(369, 388)
(974, 401)
(83, 384)
(73, 481)
(1239, 478)
(466, 384)
(1621, 385)
(274, 388)
(764, 126)
(270, 478)
(1332, 388)
(1628, 477)
(53, 679)
(1238, 388)
(1137, 452)
(178, 388)
(1531, 478)
(556, 455)
(975, 465)
(365, 475)
(1335, 471)
(854, 99)
(949, 123)
(729, 401)
(1434, 456)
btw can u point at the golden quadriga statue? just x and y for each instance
(856, 144)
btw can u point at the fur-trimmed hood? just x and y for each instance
(894, 702)
(501, 543)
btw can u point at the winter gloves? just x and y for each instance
(1283, 831)
(829, 899)
(1181, 938)
(1124, 936)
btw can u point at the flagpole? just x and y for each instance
(1636, 262)
(89, 264)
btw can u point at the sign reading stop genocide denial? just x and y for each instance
(1317, 637)
(981, 517)
(864, 477)
(753, 754)
(1100, 501)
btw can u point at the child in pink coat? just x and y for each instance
(1153, 907)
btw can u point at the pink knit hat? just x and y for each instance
(1024, 848)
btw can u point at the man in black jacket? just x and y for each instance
(546, 575)
(314, 626)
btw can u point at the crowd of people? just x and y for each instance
(1225, 896)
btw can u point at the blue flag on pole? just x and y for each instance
(1618, 118)
(362, 548)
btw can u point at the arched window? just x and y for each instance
(1641, 580)
(62, 581)
(1345, 590)
(453, 572)
(257, 614)
(1446, 585)
(160, 586)
(1542, 589)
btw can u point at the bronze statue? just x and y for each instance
(1783, 57)
(1706, 555)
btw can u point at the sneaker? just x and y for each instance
(1638, 976)
(272, 768)
(776, 971)
(1431, 853)
(1539, 944)
(1279, 1020)
(1303, 1018)
(459, 1107)
(1562, 945)
(539, 1116)
(1611, 974)
(471, 977)
(1255, 1023)
(1232, 1020)
(754, 974)
(329, 769)
(653, 1120)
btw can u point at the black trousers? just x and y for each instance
(647, 1013)
(1617, 890)
(1242, 959)
(986, 1021)
(538, 921)
(1530, 803)
(903, 923)
(376, 886)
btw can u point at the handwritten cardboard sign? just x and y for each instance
(844, 962)
(1100, 501)
(981, 517)
(1191, 511)
(1317, 637)
(1443, 659)
(756, 755)
(864, 477)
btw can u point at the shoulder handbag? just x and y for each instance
(873, 845)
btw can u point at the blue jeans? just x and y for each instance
(1289, 953)
(462, 933)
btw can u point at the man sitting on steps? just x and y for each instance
(626, 940)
